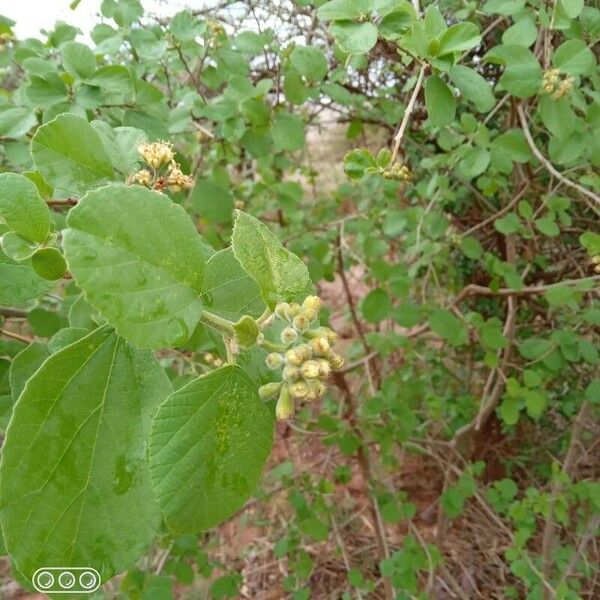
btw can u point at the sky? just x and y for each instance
(33, 15)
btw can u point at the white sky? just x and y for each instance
(33, 15)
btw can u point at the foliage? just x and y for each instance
(164, 226)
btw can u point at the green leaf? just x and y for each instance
(376, 306)
(522, 75)
(74, 479)
(471, 248)
(19, 281)
(139, 260)
(440, 102)
(355, 38)
(22, 209)
(212, 201)
(215, 434)
(24, 365)
(509, 410)
(547, 225)
(357, 161)
(503, 7)
(459, 38)
(69, 154)
(49, 263)
(309, 62)
(445, 324)
(280, 274)
(522, 33)
(492, 337)
(344, 9)
(474, 162)
(535, 403)
(43, 322)
(288, 131)
(47, 90)
(473, 87)
(591, 242)
(78, 60)
(508, 224)
(228, 290)
(17, 121)
(572, 8)
(121, 143)
(575, 58)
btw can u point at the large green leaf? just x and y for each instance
(355, 38)
(441, 105)
(344, 9)
(575, 58)
(24, 365)
(522, 75)
(280, 274)
(459, 38)
(19, 281)
(139, 260)
(228, 289)
(473, 87)
(78, 60)
(209, 442)
(74, 480)
(309, 62)
(70, 154)
(22, 209)
(17, 121)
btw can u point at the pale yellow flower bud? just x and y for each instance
(293, 357)
(300, 323)
(336, 361)
(281, 309)
(157, 154)
(320, 346)
(324, 368)
(289, 335)
(310, 369)
(269, 390)
(142, 177)
(290, 373)
(285, 408)
(312, 303)
(292, 310)
(274, 360)
(299, 389)
(176, 180)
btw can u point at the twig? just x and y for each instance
(549, 167)
(409, 108)
(16, 336)
(9, 311)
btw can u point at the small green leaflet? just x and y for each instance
(209, 443)
(70, 156)
(139, 260)
(280, 274)
(74, 482)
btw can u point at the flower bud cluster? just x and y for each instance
(307, 361)
(556, 85)
(166, 172)
(397, 172)
(596, 262)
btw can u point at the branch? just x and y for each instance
(549, 167)
(409, 108)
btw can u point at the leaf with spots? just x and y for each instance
(74, 480)
(139, 260)
(208, 445)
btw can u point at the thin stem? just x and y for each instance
(222, 325)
